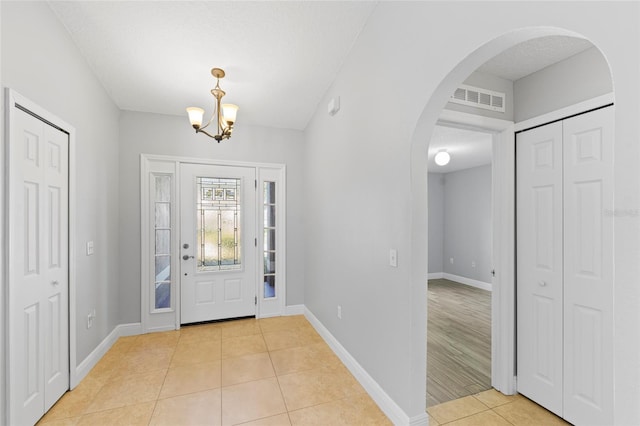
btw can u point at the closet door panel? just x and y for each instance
(588, 267)
(540, 265)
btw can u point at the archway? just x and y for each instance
(505, 349)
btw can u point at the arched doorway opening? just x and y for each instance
(503, 298)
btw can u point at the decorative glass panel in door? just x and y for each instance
(269, 250)
(162, 230)
(218, 218)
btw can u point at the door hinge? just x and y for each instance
(493, 272)
(255, 242)
(255, 183)
(255, 300)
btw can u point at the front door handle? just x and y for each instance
(187, 257)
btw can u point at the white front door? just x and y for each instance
(539, 265)
(217, 242)
(39, 267)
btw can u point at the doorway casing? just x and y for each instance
(503, 237)
(169, 319)
(504, 169)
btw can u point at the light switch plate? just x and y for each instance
(89, 248)
(393, 258)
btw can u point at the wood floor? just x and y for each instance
(458, 341)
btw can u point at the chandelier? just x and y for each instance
(224, 115)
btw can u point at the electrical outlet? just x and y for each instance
(89, 248)
(339, 312)
(90, 317)
(473, 263)
(451, 260)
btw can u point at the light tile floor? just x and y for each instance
(275, 371)
(491, 408)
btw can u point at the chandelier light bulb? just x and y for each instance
(229, 113)
(442, 158)
(195, 116)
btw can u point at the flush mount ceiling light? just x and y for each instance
(442, 158)
(225, 114)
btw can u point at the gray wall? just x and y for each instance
(489, 82)
(367, 193)
(172, 135)
(436, 222)
(578, 78)
(360, 194)
(40, 61)
(467, 223)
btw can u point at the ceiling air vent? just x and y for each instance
(479, 98)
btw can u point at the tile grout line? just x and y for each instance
(499, 405)
(268, 351)
(295, 372)
(284, 401)
(463, 417)
(501, 416)
(155, 405)
(155, 402)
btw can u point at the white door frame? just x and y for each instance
(503, 242)
(172, 165)
(13, 98)
(503, 321)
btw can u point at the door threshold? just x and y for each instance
(217, 321)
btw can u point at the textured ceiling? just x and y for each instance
(467, 149)
(533, 55)
(280, 57)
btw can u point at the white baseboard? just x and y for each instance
(468, 281)
(419, 420)
(384, 401)
(435, 275)
(96, 355)
(132, 329)
(294, 310)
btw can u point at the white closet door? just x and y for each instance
(588, 268)
(539, 265)
(39, 268)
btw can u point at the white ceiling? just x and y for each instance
(280, 57)
(533, 55)
(467, 149)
